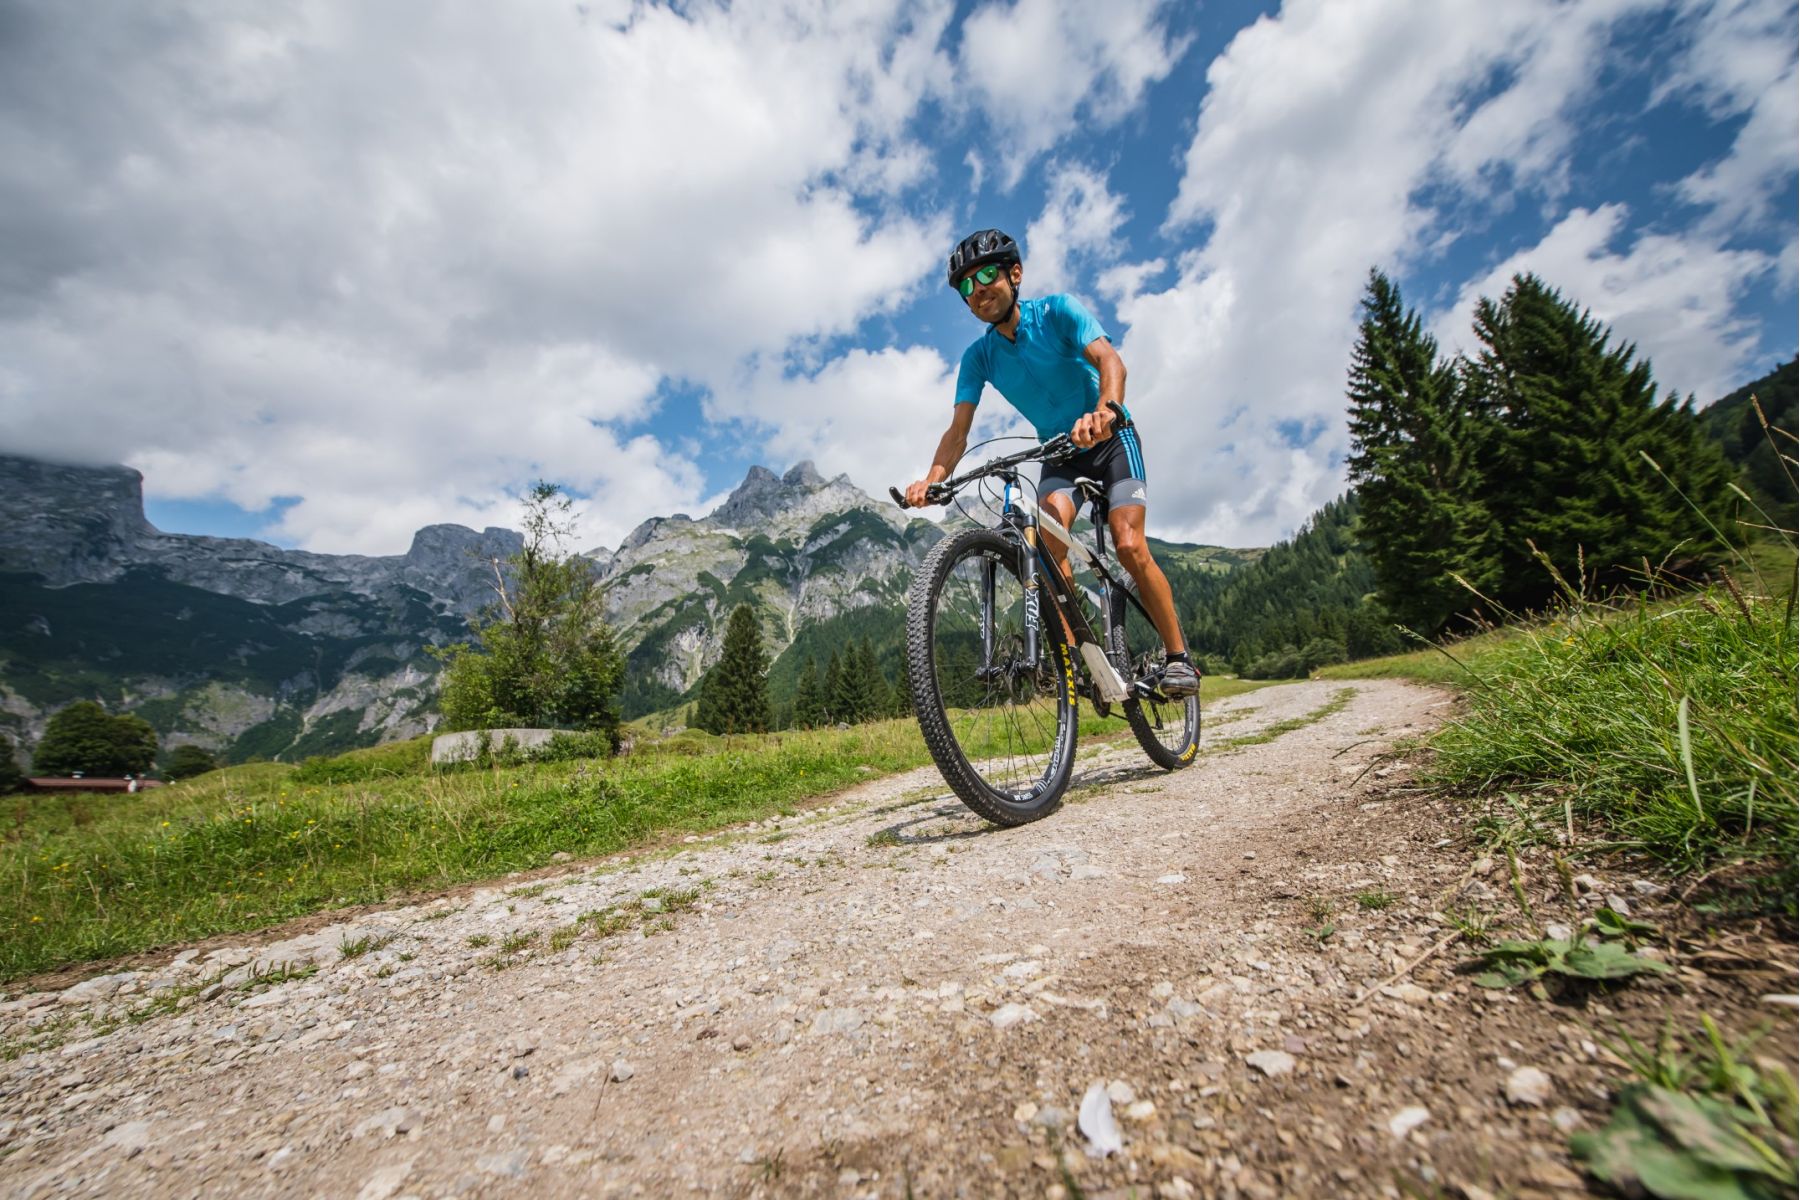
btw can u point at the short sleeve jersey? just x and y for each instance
(1043, 373)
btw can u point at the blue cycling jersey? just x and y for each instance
(1043, 372)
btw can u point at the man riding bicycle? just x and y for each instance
(1054, 363)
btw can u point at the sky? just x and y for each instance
(328, 271)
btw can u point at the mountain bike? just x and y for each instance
(1001, 644)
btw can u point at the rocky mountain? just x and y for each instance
(814, 558)
(251, 649)
(235, 644)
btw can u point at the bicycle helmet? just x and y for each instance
(980, 248)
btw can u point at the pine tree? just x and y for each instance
(1576, 418)
(830, 692)
(1414, 445)
(809, 706)
(734, 696)
(11, 778)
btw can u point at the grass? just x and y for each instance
(1665, 724)
(1670, 725)
(96, 876)
(1375, 900)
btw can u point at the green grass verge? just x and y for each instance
(1673, 725)
(94, 876)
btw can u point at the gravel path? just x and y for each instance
(880, 997)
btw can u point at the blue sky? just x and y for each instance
(328, 273)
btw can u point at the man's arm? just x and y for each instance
(949, 453)
(1097, 425)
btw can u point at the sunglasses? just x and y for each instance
(980, 275)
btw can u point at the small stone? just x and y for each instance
(1271, 1062)
(837, 1020)
(1142, 1110)
(1008, 1015)
(131, 1137)
(1175, 878)
(497, 1123)
(1410, 993)
(1618, 904)
(1293, 1043)
(1120, 1092)
(1024, 1112)
(383, 1182)
(1050, 1117)
(520, 1071)
(1587, 883)
(508, 1166)
(1528, 1085)
(561, 856)
(1249, 854)
(1644, 887)
(1566, 1119)
(1408, 1119)
(741, 1042)
(521, 1044)
(1176, 1189)
(1553, 1177)
(621, 1071)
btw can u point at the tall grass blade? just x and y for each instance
(1687, 755)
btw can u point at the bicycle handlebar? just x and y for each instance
(1060, 446)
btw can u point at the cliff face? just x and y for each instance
(77, 524)
(798, 548)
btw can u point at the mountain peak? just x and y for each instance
(803, 474)
(764, 493)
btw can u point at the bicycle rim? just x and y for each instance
(1167, 727)
(1001, 729)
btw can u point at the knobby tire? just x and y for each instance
(995, 742)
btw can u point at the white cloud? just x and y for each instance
(1742, 61)
(400, 258)
(1673, 296)
(1079, 224)
(876, 416)
(1337, 137)
(1039, 67)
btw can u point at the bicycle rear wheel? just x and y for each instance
(1167, 727)
(1001, 728)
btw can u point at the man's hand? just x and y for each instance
(915, 494)
(1093, 427)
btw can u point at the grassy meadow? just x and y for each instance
(94, 876)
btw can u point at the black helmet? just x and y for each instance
(980, 248)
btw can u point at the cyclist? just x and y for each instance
(1054, 363)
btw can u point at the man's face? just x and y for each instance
(992, 300)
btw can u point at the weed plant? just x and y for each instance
(1669, 723)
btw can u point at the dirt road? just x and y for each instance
(882, 997)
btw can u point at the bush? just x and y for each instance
(187, 761)
(84, 738)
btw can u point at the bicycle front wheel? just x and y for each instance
(1000, 726)
(1167, 727)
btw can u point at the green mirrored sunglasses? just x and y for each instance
(980, 275)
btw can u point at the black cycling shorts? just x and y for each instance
(1117, 464)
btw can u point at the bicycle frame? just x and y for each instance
(1029, 527)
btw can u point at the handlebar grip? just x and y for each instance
(899, 497)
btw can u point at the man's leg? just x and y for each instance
(1127, 525)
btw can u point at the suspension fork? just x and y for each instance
(1011, 514)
